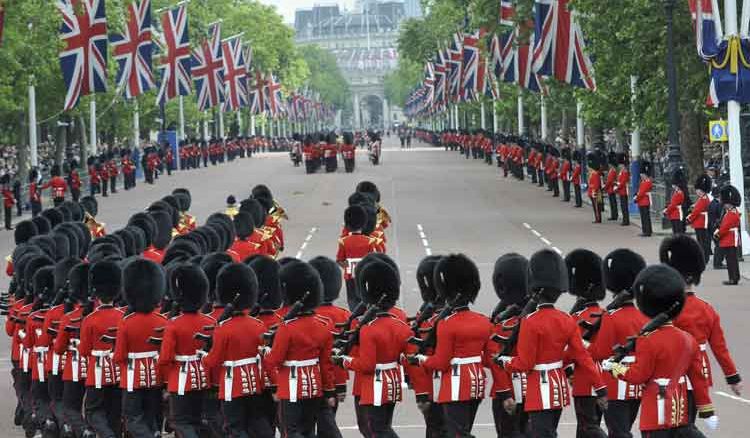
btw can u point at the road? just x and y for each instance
(440, 203)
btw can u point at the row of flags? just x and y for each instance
(460, 72)
(221, 70)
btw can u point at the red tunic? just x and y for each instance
(674, 209)
(565, 171)
(52, 321)
(698, 217)
(135, 356)
(576, 178)
(595, 184)
(337, 315)
(609, 186)
(98, 354)
(459, 355)
(352, 249)
(623, 181)
(75, 180)
(179, 361)
(34, 342)
(504, 384)
(58, 186)
(242, 249)
(265, 245)
(701, 320)
(583, 384)
(729, 229)
(153, 254)
(643, 197)
(67, 346)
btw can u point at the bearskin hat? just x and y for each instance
(261, 190)
(29, 265)
(221, 234)
(585, 276)
(78, 278)
(46, 243)
(237, 279)
(457, 274)
(62, 245)
(565, 153)
(105, 280)
(678, 177)
(378, 280)
(684, 254)
(62, 268)
(42, 224)
(348, 138)
(44, 283)
(185, 192)
(67, 214)
(75, 209)
(620, 268)
(144, 285)
(659, 289)
(645, 167)
(426, 278)
(211, 265)
(84, 236)
(703, 183)
(166, 207)
(90, 205)
(243, 225)
(225, 222)
(730, 195)
(55, 170)
(102, 251)
(330, 275)
(74, 246)
(548, 275)
(139, 238)
(54, 216)
(172, 201)
(375, 256)
(24, 231)
(128, 241)
(197, 238)
(164, 229)
(612, 158)
(210, 236)
(369, 188)
(510, 278)
(255, 210)
(269, 285)
(147, 224)
(355, 218)
(114, 239)
(189, 286)
(360, 198)
(183, 202)
(266, 203)
(299, 279)
(622, 158)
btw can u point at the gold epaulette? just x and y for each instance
(9, 258)
(267, 232)
(278, 211)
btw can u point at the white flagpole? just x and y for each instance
(483, 118)
(136, 124)
(579, 124)
(33, 141)
(239, 122)
(205, 129)
(181, 134)
(221, 125)
(252, 125)
(736, 176)
(92, 122)
(544, 117)
(521, 128)
(495, 120)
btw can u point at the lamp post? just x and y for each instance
(674, 155)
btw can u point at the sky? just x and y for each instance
(287, 7)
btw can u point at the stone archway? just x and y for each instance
(371, 110)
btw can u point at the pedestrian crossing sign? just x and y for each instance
(717, 130)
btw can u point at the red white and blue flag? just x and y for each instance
(454, 62)
(83, 60)
(440, 79)
(507, 12)
(174, 45)
(133, 49)
(275, 99)
(470, 68)
(708, 32)
(208, 70)
(559, 49)
(517, 61)
(235, 74)
(258, 94)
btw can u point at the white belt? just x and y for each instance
(703, 346)
(517, 379)
(98, 369)
(377, 382)
(548, 366)
(351, 264)
(293, 377)
(628, 359)
(660, 403)
(229, 374)
(622, 386)
(130, 372)
(456, 363)
(73, 349)
(40, 356)
(55, 363)
(183, 358)
(185, 361)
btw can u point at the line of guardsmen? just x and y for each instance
(712, 217)
(321, 150)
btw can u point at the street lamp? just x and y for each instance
(674, 154)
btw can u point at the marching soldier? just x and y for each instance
(35, 194)
(352, 248)
(565, 174)
(8, 201)
(58, 186)
(643, 197)
(698, 217)
(609, 185)
(74, 180)
(621, 188)
(242, 248)
(113, 172)
(94, 181)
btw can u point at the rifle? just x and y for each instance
(592, 328)
(350, 338)
(579, 305)
(226, 314)
(507, 313)
(430, 339)
(621, 351)
(358, 311)
(294, 312)
(425, 313)
(510, 342)
(255, 310)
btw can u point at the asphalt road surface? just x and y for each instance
(440, 203)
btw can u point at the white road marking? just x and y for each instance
(545, 240)
(733, 397)
(528, 227)
(557, 250)
(304, 245)
(307, 240)
(428, 251)
(422, 235)
(536, 233)
(542, 238)
(419, 227)
(422, 426)
(425, 242)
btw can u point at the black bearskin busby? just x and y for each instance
(54, 216)
(211, 265)
(426, 279)
(237, 279)
(163, 229)
(379, 281)
(548, 275)
(510, 279)
(299, 279)
(255, 210)
(355, 218)
(645, 168)
(659, 289)
(369, 188)
(189, 287)
(143, 285)
(684, 254)
(330, 275)
(730, 195)
(147, 224)
(585, 276)
(44, 284)
(24, 231)
(620, 268)
(78, 279)
(269, 285)
(89, 205)
(184, 192)
(42, 224)
(244, 225)
(456, 274)
(703, 183)
(105, 280)
(359, 198)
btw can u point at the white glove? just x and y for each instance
(712, 422)
(505, 360)
(264, 350)
(421, 358)
(607, 364)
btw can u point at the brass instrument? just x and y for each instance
(94, 227)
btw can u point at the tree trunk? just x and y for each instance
(691, 142)
(82, 141)
(565, 124)
(597, 137)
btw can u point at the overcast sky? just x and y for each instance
(287, 7)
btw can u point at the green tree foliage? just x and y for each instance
(400, 82)
(325, 76)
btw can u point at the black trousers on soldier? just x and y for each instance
(434, 420)
(55, 389)
(298, 419)
(359, 414)
(540, 178)
(327, 427)
(678, 226)
(113, 184)
(566, 190)
(612, 206)
(577, 192)
(677, 432)
(589, 418)
(16, 373)
(544, 423)
(555, 187)
(646, 220)
(8, 218)
(733, 263)
(185, 413)
(620, 416)
(352, 294)
(40, 404)
(76, 194)
(211, 414)
(242, 421)
(597, 210)
(701, 235)
(140, 409)
(509, 425)
(104, 411)
(72, 406)
(625, 208)
(380, 420)
(459, 417)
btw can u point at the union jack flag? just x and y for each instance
(174, 45)
(507, 12)
(440, 75)
(517, 61)
(275, 100)
(470, 68)
(496, 57)
(560, 49)
(83, 61)
(708, 32)
(455, 58)
(258, 94)
(132, 51)
(208, 70)
(235, 74)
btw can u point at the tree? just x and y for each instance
(326, 76)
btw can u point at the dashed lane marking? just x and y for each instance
(733, 397)
(542, 238)
(307, 240)
(545, 240)
(422, 426)
(528, 227)
(536, 233)
(425, 242)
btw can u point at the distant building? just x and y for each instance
(413, 8)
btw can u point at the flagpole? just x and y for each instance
(521, 128)
(182, 119)
(635, 145)
(482, 116)
(239, 123)
(205, 129)
(579, 124)
(544, 116)
(252, 124)
(736, 176)
(221, 125)
(136, 124)
(33, 141)
(92, 123)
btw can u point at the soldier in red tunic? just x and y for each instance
(508, 392)
(58, 186)
(140, 380)
(576, 179)
(698, 317)
(643, 198)
(596, 160)
(301, 353)
(180, 356)
(729, 232)
(621, 188)
(462, 340)
(620, 321)
(8, 200)
(565, 174)
(35, 193)
(675, 210)
(353, 247)
(586, 282)
(666, 358)
(161, 237)
(242, 248)
(74, 180)
(609, 185)
(547, 338)
(698, 217)
(103, 402)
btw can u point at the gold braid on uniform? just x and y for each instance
(618, 370)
